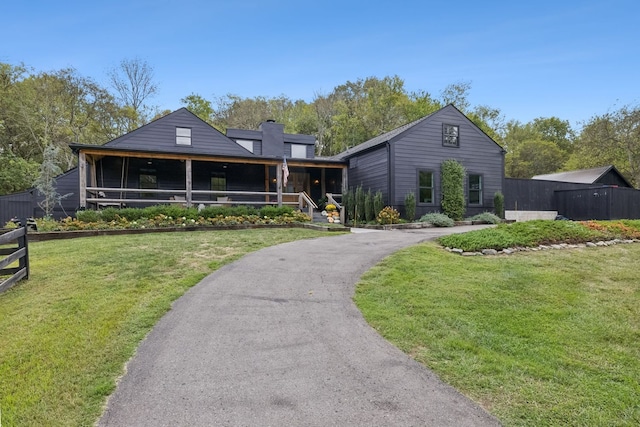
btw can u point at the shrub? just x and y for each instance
(349, 203)
(437, 220)
(89, 216)
(487, 217)
(453, 174)
(388, 215)
(369, 214)
(378, 203)
(498, 204)
(275, 211)
(359, 208)
(410, 205)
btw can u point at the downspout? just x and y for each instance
(390, 177)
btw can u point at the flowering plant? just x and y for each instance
(388, 215)
(330, 207)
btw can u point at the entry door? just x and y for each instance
(297, 182)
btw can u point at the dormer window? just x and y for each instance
(450, 135)
(183, 136)
(298, 151)
(246, 144)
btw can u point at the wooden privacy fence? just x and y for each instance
(18, 253)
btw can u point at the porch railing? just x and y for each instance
(331, 199)
(19, 253)
(177, 196)
(303, 198)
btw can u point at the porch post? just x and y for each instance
(189, 181)
(345, 183)
(279, 183)
(82, 172)
(323, 184)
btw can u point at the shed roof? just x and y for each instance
(582, 176)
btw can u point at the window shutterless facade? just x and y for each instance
(450, 135)
(475, 189)
(149, 180)
(183, 136)
(425, 187)
(218, 183)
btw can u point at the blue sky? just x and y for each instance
(569, 59)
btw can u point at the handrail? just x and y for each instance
(333, 201)
(311, 205)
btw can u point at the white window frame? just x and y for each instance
(183, 136)
(297, 150)
(246, 144)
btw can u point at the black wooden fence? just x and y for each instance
(571, 200)
(19, 253)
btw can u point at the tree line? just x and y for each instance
(40, 109)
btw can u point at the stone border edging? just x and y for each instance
(509, 251)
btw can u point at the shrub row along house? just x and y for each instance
(181, 159)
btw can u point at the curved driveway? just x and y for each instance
(274, 339)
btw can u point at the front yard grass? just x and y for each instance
(66, 333)
(538, 339)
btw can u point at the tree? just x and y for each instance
(538, 147)
(16, 173)
(611, 138)
(555, 130)
(133, 81)
(199, 106)
(46, 181)
(457, 94)
(535, 157)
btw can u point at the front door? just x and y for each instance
(297, 182)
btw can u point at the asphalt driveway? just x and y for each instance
(274, 339)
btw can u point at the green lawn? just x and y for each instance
(66, 333)
(538, 339)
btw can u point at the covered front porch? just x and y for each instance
(117, 178)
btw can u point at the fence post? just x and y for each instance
(23, 242)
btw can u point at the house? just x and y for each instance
(606, 175)
(181, 159)
(408, 159)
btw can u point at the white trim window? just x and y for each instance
(183, 136)
(298, 151)
(246, 144)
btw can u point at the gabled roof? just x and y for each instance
(582, 176)
(399, 132)
(159, 136)
(380, 139)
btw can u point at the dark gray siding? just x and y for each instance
(310, 151)
(612, 178)
(371, 170)
(25, 204)
(420, 148)
(160, 135)
(534, 194)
